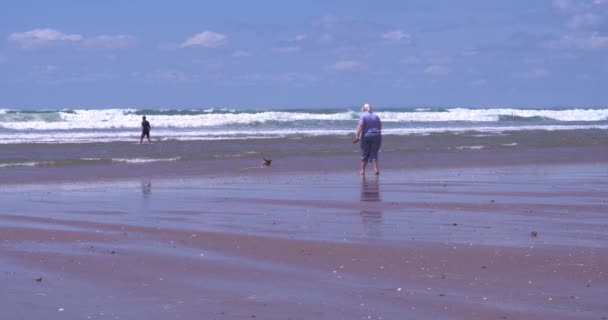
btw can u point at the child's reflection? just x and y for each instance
(146, 187)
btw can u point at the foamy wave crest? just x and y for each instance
(128, 119)
(492, 129)
(494, 115)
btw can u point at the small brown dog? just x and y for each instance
(266, 163)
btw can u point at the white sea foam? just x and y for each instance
(116, 160)
(26, 164)
(470, 147)
(128, 119)
(494, 115)
(226, 134)
(143, 160)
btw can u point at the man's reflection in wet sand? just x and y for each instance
(371, 214)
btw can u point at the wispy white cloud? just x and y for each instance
(207, 39)
(578, 6)
(38, 38)
(594, 41)
(289, 77)
(49, 68)
(298, 38)
(396, 36)
(479, 83)
(110, 41)
(436, 70)
(287, 49)
(584, 20)
(433, 57)
(291, 45)
(582, 14)
(562, 5)
(53, 75)
(469, 52)
(536, 73)
(41, 74)
(240, 54)
(326, 21)
(346, 66)
(402, 84)
(3, 59)
(93, 77)
(410, 60)
(535, 60)
(251, 77)
(45, 72)
(166, 76)
(209, 63)
(439, 60)
(326, 38)
(351, 52)
(41, 38)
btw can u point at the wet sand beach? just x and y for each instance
(488, 237)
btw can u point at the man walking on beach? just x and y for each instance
(145, 130)
(369, 130)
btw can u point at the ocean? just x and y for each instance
(77, 136)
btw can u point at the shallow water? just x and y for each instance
(485, 206)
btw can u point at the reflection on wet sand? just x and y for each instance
(146, 187)
(371, 214)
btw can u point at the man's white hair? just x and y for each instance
(366, 107)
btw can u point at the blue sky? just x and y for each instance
(288, 54)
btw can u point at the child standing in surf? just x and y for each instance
(145, 130)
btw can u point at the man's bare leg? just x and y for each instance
(363, 165)
(376, 169)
